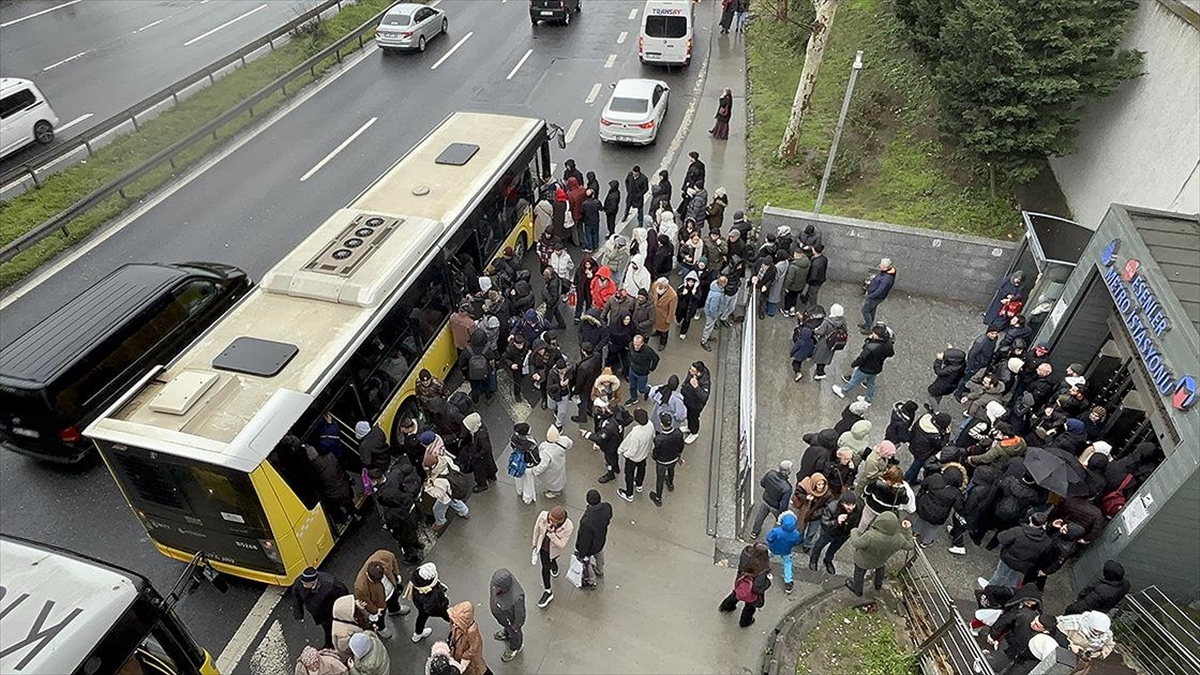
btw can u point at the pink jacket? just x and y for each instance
(558, 538)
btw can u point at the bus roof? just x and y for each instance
(320, 299)
(80, 599)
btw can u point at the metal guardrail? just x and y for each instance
(61, 221)
(171, 91)
(945, 643)
(747, 412)
(1157, 634)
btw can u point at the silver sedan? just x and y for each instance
(410, 26)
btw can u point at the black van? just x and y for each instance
(66, 370)
(557, 11)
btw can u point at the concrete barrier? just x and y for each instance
(928, 262)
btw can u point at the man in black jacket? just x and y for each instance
(591, 209)
(1103, 594)
(373, 448)
(590, 537)
(607, 436)
(818, 268)
(695, 171)
(776, 487)
(642, 361)
(396, 498)
(838, 520)
(668, 451)
(591, 363)
(316, 591)
(695, 390)
(869, 364)
(636, 187)
(1023, 549)
(553, 292)
(979, 357)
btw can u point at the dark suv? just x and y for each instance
(553, 10)
(64, 372)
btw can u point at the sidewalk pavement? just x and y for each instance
(656, 608)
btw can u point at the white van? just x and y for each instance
(25, 116)
(667, 33)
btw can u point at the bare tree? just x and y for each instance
(818, 39)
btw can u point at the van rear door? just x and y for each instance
(666, 35)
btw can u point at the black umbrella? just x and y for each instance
(1057, 470)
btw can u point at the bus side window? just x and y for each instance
(292, 465)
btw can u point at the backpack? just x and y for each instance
(623, 416)
(812, 317)
(1113, 502)
(837, 338)
(460, 484)
(516, 463)
(743, 589)
(461, 401)
(477, 367)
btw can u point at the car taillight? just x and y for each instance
(562, 4)
(641, 45)
(269, 550)
(70, 435)
(646, 125)
(605, 123)
(407, 33)
(689, 46)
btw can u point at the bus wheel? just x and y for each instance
(521, 249)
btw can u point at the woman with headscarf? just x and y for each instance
(1009, 290)
(825, 336)
(477, 452)
(727, 7)
(720, 128)
(551, 471)
(1089, 634)
(751, 583)
(315, 661)
(637, 277)
(808, 501)
(348, 619)
(667, 398)
(466, 644)
(507, 603)
(429, 597)
(665, 300)
(620, 337)
(368, 655)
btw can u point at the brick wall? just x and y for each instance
(928, 262)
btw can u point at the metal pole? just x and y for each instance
(837, 133)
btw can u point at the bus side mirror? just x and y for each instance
(562, 142)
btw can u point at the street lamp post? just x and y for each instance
(837, 133)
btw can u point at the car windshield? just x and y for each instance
(628, 105)
(397, 20)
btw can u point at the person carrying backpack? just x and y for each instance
(751, 583)
(522, 454)
(829, 338)
(477, 363)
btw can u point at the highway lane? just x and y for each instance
(93, 59)
(251, 208)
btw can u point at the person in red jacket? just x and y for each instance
(603, 287)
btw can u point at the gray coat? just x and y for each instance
(775, 295)
(507, 600)
(823, 355)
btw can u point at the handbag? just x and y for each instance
(575, 572)
(367, 484)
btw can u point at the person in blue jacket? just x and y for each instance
(780, 541)
(802, 348)
(878, 287)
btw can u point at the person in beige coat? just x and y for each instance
(348, 619)
(551, 536)
(378, 589)
(665, 301)
(315, 661)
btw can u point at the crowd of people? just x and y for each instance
(1025, 471)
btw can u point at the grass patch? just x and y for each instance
(24, 212)
(892, 164)
(854, 641)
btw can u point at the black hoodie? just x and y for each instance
(1104, 593)
(821, 446)
(1026, 548)
(592, 532)
(947, 372)
(612, 200)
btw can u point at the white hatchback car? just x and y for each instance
(634, 112)
(410, 26)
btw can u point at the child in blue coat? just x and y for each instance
(781, 540)
(802, 349)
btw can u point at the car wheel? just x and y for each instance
(445, 26)
(579, 6)
(43, 133)
(521, 249)
(533, 21)
(421, 43)
(566, 18)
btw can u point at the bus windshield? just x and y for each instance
(666, 26)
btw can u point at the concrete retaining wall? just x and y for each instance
(928, 262)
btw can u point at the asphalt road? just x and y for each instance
(92, 58)
(251, 208)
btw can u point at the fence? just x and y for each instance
(61, 221)
(747, 403)
(149, 105)
(945, 643)
(1157, 634)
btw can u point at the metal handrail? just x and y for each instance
(747, 411)
(1159, 635)
(167, 155)
(130, 114)
(944, 640)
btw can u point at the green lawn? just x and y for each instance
(23, 213)
(854, 641)
(892, 164)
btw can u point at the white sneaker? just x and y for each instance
(385, 633)
(550, 495)
(639, 489)
(683, 336)
(837, 391)
(982, 582)
(417, 637)
(957, 550)
(690, 438)
(863, 399)
(799, 376)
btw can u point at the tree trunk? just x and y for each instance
(781, 10)
(818, 39)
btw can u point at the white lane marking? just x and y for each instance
(591, 97)
(612, 58)
(435, 3)
(621, 38)
(633, 14)
(225, 25)
(67, 259)
(571, 131)
(338, 149)
(246, 632)
(149, 25)
(69, 59)
(73, 122)
(452, 50)
(519, 64)
(6, 24)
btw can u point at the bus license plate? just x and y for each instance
(547, 13)
(27, 433)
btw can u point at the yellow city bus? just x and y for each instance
(341, 326)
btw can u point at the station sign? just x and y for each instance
(1147, 320)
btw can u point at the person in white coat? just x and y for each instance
(637, 277)
(636, 448)
(667, 399)
(551, 472)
